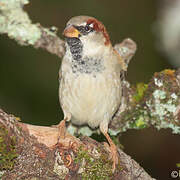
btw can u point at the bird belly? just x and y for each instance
(90, 99)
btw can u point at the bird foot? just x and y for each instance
(114, 154)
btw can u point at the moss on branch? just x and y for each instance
(7, 149)
(156, 104)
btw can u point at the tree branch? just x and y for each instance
(15, 22)
(155, 104)
(38, 155)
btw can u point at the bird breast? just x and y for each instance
(90, 98)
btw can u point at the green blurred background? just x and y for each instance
(29, 77)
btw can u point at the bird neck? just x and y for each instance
(76, 47)
(81, 62)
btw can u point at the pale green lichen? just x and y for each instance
(154, 104)
(93, 168)
(16, 23)
(113, 132)
(2, 173)
(11, 4)
(72, 129)
(159, 94)
(53, 28)
(160, 107)
(174, 96)
(59, 168)
(86, 131)
(158, 82)
(83, 130)
(164, 124)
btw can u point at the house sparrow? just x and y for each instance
(90, 86)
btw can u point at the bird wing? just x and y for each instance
(121, 61)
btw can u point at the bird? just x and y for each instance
(90, 89)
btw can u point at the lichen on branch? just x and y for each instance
(155, 104)
(38, 155)
(15, 22)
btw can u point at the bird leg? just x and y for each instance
(62, 129)
(62, 126)
(112, 146)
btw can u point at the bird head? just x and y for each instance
(85, 36)
(87, 28)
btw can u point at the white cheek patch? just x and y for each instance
(91, 25)
(93, 45)
(82, 24)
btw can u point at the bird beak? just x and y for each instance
(71, 32)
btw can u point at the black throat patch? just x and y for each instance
(82, 65)
(76, 47)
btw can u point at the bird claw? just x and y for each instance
(114, 157)
(114, 154)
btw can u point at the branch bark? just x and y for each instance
(15, 22)
(155, 104)
(39, 156)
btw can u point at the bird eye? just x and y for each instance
(84, 29)
(87, 28)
